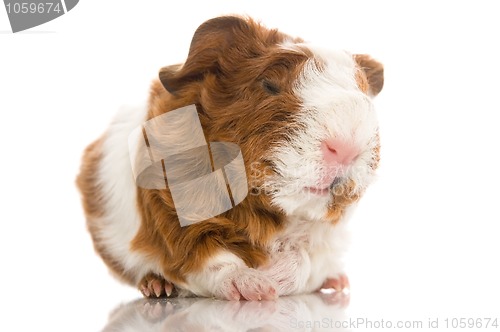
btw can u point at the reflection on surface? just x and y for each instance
(311, 312)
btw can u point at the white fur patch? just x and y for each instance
(305, 254)
(226, 276)
(301, 259)
(121, 221)
(206, 282)
(332, 107)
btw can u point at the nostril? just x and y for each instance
(331, 149)
(336, 151)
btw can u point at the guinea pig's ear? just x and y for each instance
(374, 72)
(209, 42)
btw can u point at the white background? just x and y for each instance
(426, 235)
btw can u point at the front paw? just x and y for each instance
(153, 285)
(247, 284)
(338, 283)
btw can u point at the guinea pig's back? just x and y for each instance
(109, 195)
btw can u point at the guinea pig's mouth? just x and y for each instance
(326, 190)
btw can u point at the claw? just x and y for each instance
(168, 289)
(157, 287)
(145, 291)
(338, 284)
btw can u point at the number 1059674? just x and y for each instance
(32, 7)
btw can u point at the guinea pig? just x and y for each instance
(304, 120)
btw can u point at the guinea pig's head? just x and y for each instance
(301, 114)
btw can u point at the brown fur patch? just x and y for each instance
(343, 196)
(87, 180)
(376, 154)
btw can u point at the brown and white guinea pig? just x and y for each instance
(303, 118)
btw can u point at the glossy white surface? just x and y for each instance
(285, 314)
(425, 238)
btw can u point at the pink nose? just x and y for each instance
(337, 151)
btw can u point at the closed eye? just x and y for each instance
(270, 87)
